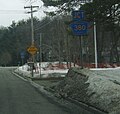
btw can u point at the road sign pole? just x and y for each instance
(81, 54)
(22, 61)
(40, 50)
(32, 73)
(95, 43)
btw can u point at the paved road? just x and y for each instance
(19, 97)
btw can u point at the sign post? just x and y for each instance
(81, 53)
(95, 43)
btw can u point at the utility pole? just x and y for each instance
(32, 29)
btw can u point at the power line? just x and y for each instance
(41, 26)
(12, 12)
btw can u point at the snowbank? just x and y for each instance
(98, 88)
(46, 70)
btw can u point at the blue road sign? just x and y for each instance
(22, 54)
(78, 15)
(79, 28)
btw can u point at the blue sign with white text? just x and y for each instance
(79, 28)
(78, 15)
(22, 54)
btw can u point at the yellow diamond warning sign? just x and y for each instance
(32, 50)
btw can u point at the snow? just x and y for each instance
(104, 84)
(45, 70)
(112, 74)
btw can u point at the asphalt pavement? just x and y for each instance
(19, 97)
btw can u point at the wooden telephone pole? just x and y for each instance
(32, 48)
(32, 29)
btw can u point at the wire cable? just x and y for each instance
(12, 12)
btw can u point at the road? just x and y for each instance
(19, 97)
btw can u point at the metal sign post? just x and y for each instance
(95, 43)
(81, 53)
(40, 64)
(31, 64)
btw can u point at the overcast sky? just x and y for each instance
(13, 10)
